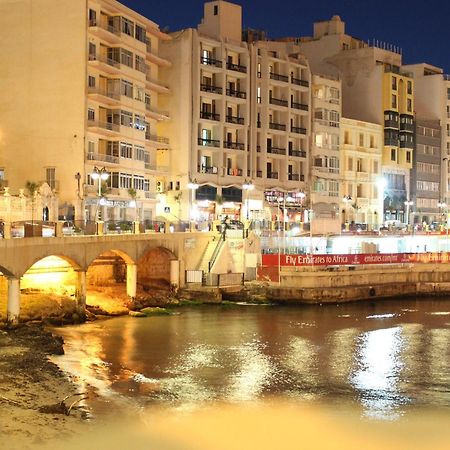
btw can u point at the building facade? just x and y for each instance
(361, 203)
(89, 117)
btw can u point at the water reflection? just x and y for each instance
(385, 357)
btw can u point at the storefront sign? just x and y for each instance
(353, 260)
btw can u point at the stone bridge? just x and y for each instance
(177, 252)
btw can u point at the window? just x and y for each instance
(333, 188)
(125, 180)
(91, 81)
(361, 140)
(448, 93)
(126, 118)
(259, 70)
(394, 101)
(372, 141)
(139, 93)
(139, 153)
(346, 137)
(127, 27)
(92, 18)
(139, 122)
(126, 57)
(126, 150)
(216, 10)
(375, 167)
(359, 165)
(409, 105)
(126, 88)
(334, 95)
(410, 87)
(394, 83)
(350, 164)
(139, 64)
(393, 155)
(140, 33)
(92, 51)
(258, 96)
(334, 119)
(91, 149)
(91, 114)
(408, 157)
(50, 177)
(138, 182)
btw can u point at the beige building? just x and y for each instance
(84, 82)
(241, 116)
(361, 157)
(326, 172)
(376, 89)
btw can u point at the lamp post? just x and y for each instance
(192, 186)
(408, 204)
(381, 185)
(346, 199)
(247, 187)
(100, 175)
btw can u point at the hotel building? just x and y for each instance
(84, 81)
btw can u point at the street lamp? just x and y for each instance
(192, 186)
(408, 204)
(247, 186)
(100, 175)
(346, 199)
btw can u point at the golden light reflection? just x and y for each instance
(342, 351)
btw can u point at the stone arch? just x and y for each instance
(153, 267)
(74, 264)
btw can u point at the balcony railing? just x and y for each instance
(298, 153)
(391, 141)
(211, 88)
(154, 110)
(104, 92)
(155, 138)
(237, 94)
(301, 106)
(259, 173)
(276, 150)
(234, 172)
(103, 157)
(279, 77)
(234, 145)
(208, 169)
(391, 124)
(298, 130)
(278, 102)
(407, 127)
(272, 175)
(210, 61)
(235, 119)
(105, 60)
(104, 26)
(105, 125)
(236, 67)
(277, 126)
(293, 177)
(209, 142)
(209, 115)
(299, 82)
(406, 144)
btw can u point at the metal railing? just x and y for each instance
(298, 130)
(216, 251)
(208, 142)
(276, 150)
(234, 145)
(235, 119)
(277, 126)
(209, 115)
(238, 94)
(299, 82)
(103, 158)
(278, 102)
(279, 77)
(298, 153)
(210, 61)
(236, 67)
(105, 125)
(301, 106)
(211, 88)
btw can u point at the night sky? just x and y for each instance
(421, 29)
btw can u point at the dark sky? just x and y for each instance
(420, 28)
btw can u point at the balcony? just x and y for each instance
(277, 126)
(104, 96)
(407, 127)
(276, 150)
(105, 128)
(159, 141)
(391, 141)
(237, 94)
(235, 119)
(279, 77)
(234, 172)
(278, 102)
(103, 157)
(297, 153)
(259, 173)
(208, 142)
(156, 113)
(272, 175)
(293, 177)
(104, 31)
(299, 82)
(211, 88)
(391, 124)
(213, 170)
(406, 144)
(236, 67)
(105, 64)
(210, 62)
(209, 115)
(300, 106)
(234, 145)
(298, 130)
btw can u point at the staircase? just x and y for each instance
(209, 256)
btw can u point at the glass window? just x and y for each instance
(127, 27)
(126, 118)
(126, 150)
(126, 57)
(140, 33)
(394, 101)
(126, 88)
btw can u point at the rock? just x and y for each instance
(136, 314)
(155, 311)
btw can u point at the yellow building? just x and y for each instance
(361, 161)
(81, 93)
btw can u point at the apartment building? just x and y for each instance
(361, 203)
(428, 205)
(375, 89)
(84, 81)
(326, 159)
(241, 118)
(432, 93)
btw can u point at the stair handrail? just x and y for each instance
(216, 251)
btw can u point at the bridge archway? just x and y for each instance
(153, 268)
(107, 281)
